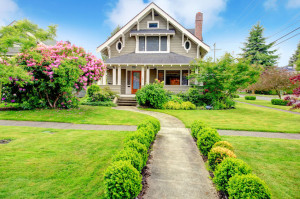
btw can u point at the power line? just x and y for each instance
(283, 29)
(246, 8)
(286, 34)
(287, 39)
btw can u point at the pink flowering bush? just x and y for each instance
(293, 101)
(57, 73)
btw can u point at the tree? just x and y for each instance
(295, 57)
(256, 50)
(298, 63)
(104, 57)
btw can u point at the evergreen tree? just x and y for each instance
(295, 56)
(104, 57)
(256, 50)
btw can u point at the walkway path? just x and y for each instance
(260, 134)
(177, 169)
(267, 98)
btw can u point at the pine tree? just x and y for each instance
(256, 50)
(295, 56)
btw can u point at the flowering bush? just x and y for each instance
(56, 73)
(294, 101)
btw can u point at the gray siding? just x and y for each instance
(116, 88)
(123, 81)
(129, 46)
(162, 22)
(176, 89)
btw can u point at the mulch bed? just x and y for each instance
(5, 141)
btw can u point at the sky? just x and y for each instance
(226, 22)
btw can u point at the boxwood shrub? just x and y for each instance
(196, 126)
(207, 137)
(139, 137)
(235, 96)
(122, 180)
(224, 144)
(149, 132)
(217, 155)
(250, 98)
(152, 121)
(248, 186)
(140, 148)
(132, 156)
(279, 102)
(228, 168)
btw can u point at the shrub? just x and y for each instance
(140, 148)
(131, 155)
(173, 105)
(139, 137)
(279, 102)
(207, 137)
(228, 168)
(107, 103)
(250, 98)
(188, 106)
(91, 90)
(122, 180)
(224, 144)
(217, 155)
(153, 121)
(152, 96)
(248, 186)
(196, 126)
(101, 96)
(235, 96)
(149, 132)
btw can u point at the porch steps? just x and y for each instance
(127, 101)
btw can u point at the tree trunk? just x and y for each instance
(278, 93)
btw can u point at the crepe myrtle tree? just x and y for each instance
(56, 72)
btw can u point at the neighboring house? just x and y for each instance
(152, 46)
(290, 69)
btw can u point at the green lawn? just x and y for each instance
(276, 161)
(244, 117)
(83, 115)
(267, 103)
(65, 164)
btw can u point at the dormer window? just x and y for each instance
(153, 24)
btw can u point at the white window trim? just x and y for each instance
(137, 50)
(180, 76)
(187, 50)
(119, 50)
(148, 22)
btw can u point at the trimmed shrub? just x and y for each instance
(131, 155)
(140, 148)
(92, 89)
(188, 106)
(250, 98)
(235, 96)
(228, 168)
(224, 144)
(153, 121)
(122, 180)
(107, 103)
(279, 102)
(217, 155)
(196, 126)
(101, 96)
(148, 131)
(248, 186)
(207, 137)
(139, 137)
(173, 105)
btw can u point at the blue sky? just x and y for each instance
(226, 22)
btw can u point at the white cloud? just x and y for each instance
(183, 11)
(293, 4)
(8, 11)
(270, 4)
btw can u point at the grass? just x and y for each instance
(65, 164)
(267, 103)
(276, 161)
(244, 117)
(83, 115)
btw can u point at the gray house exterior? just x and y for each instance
(152, 46)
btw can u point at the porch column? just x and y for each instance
(148, 75)
(104, 78)
(196, 72)
(119, 75)
(114, 76)
(143, 76)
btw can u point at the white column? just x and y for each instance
(104, 78)
(148, 76)
(119, 75)
(196, 72)
(143, 76)
(114, 76)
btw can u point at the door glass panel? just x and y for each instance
(136, 80)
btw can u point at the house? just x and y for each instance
(152, 45)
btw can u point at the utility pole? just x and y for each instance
(215, 51)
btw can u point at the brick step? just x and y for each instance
(126, 104)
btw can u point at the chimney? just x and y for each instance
(198, 25)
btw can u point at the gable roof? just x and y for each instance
(162, 13)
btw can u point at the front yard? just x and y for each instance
(51, 163)
(244, 117)
(276, 161)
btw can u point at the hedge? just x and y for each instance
(250, 98)
(217, 155)
(196, 127)
(123, 179)
(224, 144)
(207, 137)
(279, 102)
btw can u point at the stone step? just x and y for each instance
(127, 104)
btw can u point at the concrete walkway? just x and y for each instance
(58, 125)
(290, 136)
(177, 169)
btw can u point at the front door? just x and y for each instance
(135, 81)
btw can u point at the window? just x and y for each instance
(161, 75)
(187, 45)
(185, 74)
(141, 43)
(152, 43)
(128, 78)
(173, 77)
(163, 43)
(153, 24)
(119, 46)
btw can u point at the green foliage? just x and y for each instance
(139, 137)
(196, 126)
(91, 90)
(227, 169)
(149, 132)
(154, 122)
(100, 96)
(256, 50)
(152, 96)
(217, 155)
(122, 180)
(106, 103)
(207, 137)
(140, 148)
(235, 96)
(250, 98)
(279, 102)
(97, 94)
(132, 156)
(173, 105)
(223, 144)
(295, 57)
(248, 186)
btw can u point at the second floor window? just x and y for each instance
(153, 44)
